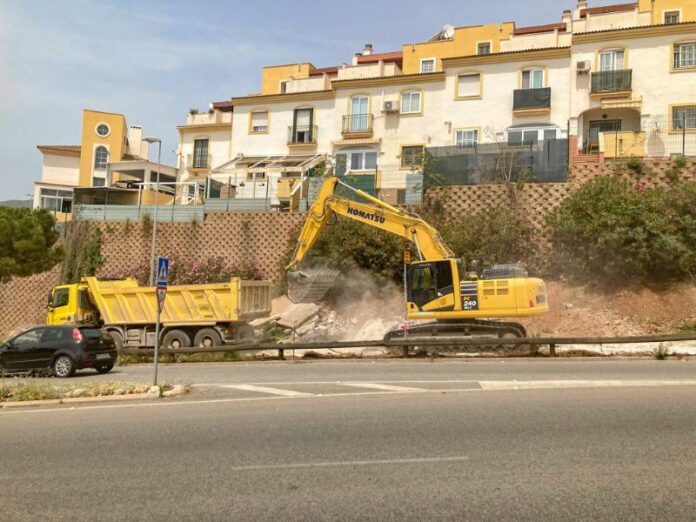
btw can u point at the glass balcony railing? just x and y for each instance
(611, 81)
(532, 99)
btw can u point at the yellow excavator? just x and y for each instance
(440, 294)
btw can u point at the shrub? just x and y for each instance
(636, 165)
(610, 231)
(679, 162)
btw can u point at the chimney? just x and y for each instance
(368, 50)
(582, 4)
(356, 57)
(568, 19)
(136, 145)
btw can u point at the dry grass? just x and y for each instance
(13, 390)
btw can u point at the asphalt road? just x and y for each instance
(419, 451)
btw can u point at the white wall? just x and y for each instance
(219, 146)
(60, 170)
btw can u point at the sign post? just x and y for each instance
(162, 283)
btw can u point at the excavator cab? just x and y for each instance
(431, 285)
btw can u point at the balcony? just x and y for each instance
(532, 101)
(358, 126)
(199, 161)
(302, 135)
(209, 118)
(612, 83)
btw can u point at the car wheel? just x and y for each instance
(63, 367)
(175, 339)
(104, 368)
(207, 338)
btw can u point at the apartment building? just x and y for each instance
(601, 82)
(111, 158)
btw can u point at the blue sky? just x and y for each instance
(152, 60)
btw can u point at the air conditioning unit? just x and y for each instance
(583, 67)
(390, 107)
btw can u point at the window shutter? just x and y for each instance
(469, 85)
(259, 119)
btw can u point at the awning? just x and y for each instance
(359, 141)
(294, 163)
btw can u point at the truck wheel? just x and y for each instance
(175, 339)
(207, 338)
(118, 339)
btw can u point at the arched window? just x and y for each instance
(101, 156)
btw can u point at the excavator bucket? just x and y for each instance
(311, 285)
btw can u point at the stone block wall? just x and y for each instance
(23, 300)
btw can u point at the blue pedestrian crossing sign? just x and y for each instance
(162, 272)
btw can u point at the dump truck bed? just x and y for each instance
(124, 302)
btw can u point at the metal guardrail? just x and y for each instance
(406, 343)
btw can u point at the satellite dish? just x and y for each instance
(448, 32)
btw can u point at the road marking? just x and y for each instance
(485, 386)
(302, 465)
(384, 387)
(265, 389)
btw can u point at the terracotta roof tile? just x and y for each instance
(539, 29)
(396, 56)
(618, 8)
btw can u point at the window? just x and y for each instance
(611, 60)
(356, 160)
(302, 131)
(483, 48)
(29, 338)
(685, 55)
(411, 102)
(466, 138)
(200, 154)
(469, 85)
(259, 122)
(400, 196)
(61, 297)
(359, 114)
(412, 156)
(56, 200)
(98, 181)
(427, 65)
(54, 334)
(684, 118)
(103, 130)
(529, 136)
(101, 157)
(671, 17)
(284, 87)
(533, 78)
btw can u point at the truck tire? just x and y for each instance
(118, 339)
(175, 339)
(207, 338)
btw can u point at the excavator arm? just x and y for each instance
(376, 213)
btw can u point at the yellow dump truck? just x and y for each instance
(193, 315)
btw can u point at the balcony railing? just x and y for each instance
(358, 123)
(611, 81)
(302, 134)
(199, 161)
(525, 99)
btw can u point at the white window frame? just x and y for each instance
(466, 142)
(489, 43)
(362, 153)
(98, 167)
(531, 71)
(410, 95)
(260, 129)
(670, 12)
(108, 129)
(539, 130)
(478, 95)
(673, 122)
(617, 66)
(678, 60)
(427, 60)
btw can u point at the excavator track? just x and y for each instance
(465, 329)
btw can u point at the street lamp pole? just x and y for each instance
(154, 225)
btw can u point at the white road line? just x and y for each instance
(541, 385)
(302, 465)
(385, 387)
(265, 389)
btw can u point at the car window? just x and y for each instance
(93, 333)
(30, 337)
(54, 334)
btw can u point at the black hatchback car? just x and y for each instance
(62, 349)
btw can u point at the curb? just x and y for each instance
(88, 400)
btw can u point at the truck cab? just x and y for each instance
(69, 304)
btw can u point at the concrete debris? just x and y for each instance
(264, 321)
(297, 315)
